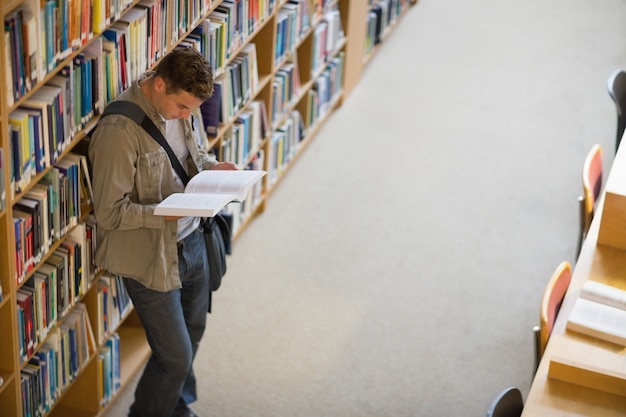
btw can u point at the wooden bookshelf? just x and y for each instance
(325, 75)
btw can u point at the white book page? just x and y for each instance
(186, 204)
(236, 183)
(605, 294)
(600, 317)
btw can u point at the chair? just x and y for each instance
(592, 185)
(550, 305)
(616, 85)
(508, 403)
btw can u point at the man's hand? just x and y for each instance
(172, 218)
(226, 166)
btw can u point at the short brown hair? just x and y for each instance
(186, 69)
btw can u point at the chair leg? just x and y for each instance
(582, 233)
(538, 353)
(621, 125)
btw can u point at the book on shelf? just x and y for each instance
(69, 169)
(600, 312)
(24, 242)
(47, 358)
(105, 369)
(58, 267)
(51, 32)
(49, 100)
(23, 148)
(13, 24)
(77, 237)
(40, 283)
(36, 284)
(49, 273)
(35, 212)
(43, 113)
(75, 271)
(211, 110)
(40, 158)
(42, 194)
(8, 75)
(32, 388)
(25, 300)
(51, 181)
(18, 232)
(208, 192)
(84, 179)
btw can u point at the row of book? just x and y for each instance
(171, 19)
(284, 144)
(38, 133)
(54, 351)
(285, 91)
(233, 90)
(43, 125)
(40, 34)
(325, 91)
(289, 133)
(114, 304)
(293, 21)
(209, 37)
(145, 32)
(328, 36)
(381, 15)
(53, 289)
(57, 362)
(135, 41)
(65, 350)
(109, 368)
(49, 211)
(244, 136)
(320, 7)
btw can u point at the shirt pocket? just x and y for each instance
(153, 169)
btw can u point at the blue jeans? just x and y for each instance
(174, 322)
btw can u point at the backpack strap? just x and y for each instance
(136, 114)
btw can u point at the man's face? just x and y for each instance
(175, 105)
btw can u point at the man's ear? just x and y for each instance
(159, 85)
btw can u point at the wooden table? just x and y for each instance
(551, 397)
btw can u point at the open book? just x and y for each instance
(208, 192)
(600, 312)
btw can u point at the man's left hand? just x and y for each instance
(227, 166)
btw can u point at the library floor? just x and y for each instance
(398, 268)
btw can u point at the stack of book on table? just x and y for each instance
(593, 352)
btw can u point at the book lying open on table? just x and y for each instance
(600, 312)
(208, 192)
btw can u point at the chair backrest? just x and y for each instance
(592, 186)
(508, 403)
(616, 85)
(551, 303)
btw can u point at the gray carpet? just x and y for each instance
(398, 268)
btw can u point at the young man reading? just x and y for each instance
(163, 259)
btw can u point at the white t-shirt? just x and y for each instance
(175, 136)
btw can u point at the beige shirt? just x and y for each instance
(131, 175)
